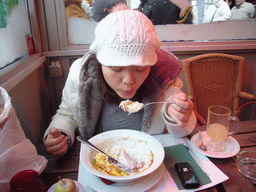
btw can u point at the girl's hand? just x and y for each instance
(56, 143)
(181, 110)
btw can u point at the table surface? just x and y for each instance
(67, 166)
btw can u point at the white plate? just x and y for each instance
(79, 187)
(139, 145)
(232, 149)
(87, 178)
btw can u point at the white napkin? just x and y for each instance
(17, 153)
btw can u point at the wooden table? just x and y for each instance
(67, 166)
(246, 138)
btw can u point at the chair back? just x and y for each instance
(214, 79)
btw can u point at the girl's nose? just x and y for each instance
(128, 78)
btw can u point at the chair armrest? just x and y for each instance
(200, 120)
(247, 96)
(240, 108)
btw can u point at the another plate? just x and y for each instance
(145, 183)
(79, 187)
(232, 149)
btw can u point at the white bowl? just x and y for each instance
(136, 145)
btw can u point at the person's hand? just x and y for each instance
(56, 143)
(181, 110)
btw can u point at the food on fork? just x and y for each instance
(130, 106)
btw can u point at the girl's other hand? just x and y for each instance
(56, 143)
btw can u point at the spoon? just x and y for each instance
(171, 102)
(133, 107)
(110, 159)
(202, 146)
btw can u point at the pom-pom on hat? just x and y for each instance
(125, 37)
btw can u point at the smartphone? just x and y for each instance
(187, 175)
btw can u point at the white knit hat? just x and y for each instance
(125, 37)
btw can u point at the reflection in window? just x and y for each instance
(242, 10)
(77, 9)
(14, 30)
(164, 12)
(81, 27)
(218, 10)
(82, 15)
(159, 12)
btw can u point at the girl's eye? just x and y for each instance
(117, 68)
(140, 69)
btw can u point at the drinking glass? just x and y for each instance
(218, 124)
(27, 181)
(246, 163)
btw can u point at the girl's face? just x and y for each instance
(125, 81)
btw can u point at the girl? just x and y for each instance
(124, 62)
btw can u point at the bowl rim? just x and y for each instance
(158, 159)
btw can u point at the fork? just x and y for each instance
(110, 159)
(141, 105)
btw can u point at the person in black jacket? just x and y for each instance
(162, 12)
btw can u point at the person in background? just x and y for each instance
(242, 10)
(124, 62)
(162, 12)
(218, 11)
(77, 9)
(231, 3)
(254, 15)
(194, 12)
(102, 8)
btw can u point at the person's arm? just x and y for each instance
(251, 11)
(225, 12)
(184, 6)
(179, 118)
(64, 120)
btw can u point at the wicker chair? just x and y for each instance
(215, 79)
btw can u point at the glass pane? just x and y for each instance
(14, 30)
(81, 21)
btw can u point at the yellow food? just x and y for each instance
(102, 164)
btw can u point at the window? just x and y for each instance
(16, 64)
(15, 30)
(66, 34)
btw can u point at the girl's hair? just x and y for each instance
(108, 94)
